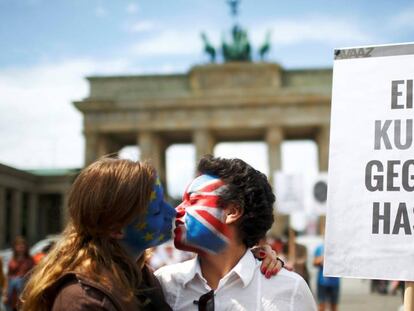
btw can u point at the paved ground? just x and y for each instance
(356, 296)
(355, 293)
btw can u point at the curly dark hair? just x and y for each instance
(247, 188)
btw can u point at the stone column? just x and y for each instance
(106, 145)
(16, 213)
(98, 145)
(32, 218)
(322, 139)
(64, 211)
(91, 147)
(274, 138)
(153, 148)
(204, 143)
(2, 217)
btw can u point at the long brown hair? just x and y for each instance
(105, 197)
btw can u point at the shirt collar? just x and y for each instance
(245, 269)
(194, 269)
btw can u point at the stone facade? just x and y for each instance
(32, 204)
(209, 104)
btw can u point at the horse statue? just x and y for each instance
(265, 48)
(208, 48)
(239, 49)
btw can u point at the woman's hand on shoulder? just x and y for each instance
(271, 263)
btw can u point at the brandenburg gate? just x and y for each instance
(238, 100)
(234, 101)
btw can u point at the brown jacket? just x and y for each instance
(75, 292)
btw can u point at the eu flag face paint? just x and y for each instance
(152, 229)
(200, 224)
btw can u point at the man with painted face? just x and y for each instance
(226, 209)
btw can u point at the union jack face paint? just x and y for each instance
(200, 222)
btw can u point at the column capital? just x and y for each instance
(91, 147)
(204, 142)
(32, 217)
(153, 147)
(64, 210)
(274, 134)
(16, 213)
(322, 139)
(323, 132)
(274, 139)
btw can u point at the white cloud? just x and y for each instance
(312, 28)
(285, 32)
(40, 127)
(170, 42)
(142, 26)
(132, 8)
(101, 11)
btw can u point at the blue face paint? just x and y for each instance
(152, 229)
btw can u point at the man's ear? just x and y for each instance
(117, 235)
(233, 212)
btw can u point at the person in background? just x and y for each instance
(299, 263)
(45, 250)
(19, 265)
(277, 244)
(327, 287)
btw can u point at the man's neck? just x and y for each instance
(215, 266)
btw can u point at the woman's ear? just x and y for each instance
(233, 212)
(117, 235)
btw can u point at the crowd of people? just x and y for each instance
(327, 289)
(118, 213)
(20, 263)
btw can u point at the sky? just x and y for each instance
(48, 47)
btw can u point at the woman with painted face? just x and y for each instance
(116, 211)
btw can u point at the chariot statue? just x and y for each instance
(238, 49)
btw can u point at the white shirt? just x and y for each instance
(243, 288)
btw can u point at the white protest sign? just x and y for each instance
(289, 192)
(318, 194)
(370, 215)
